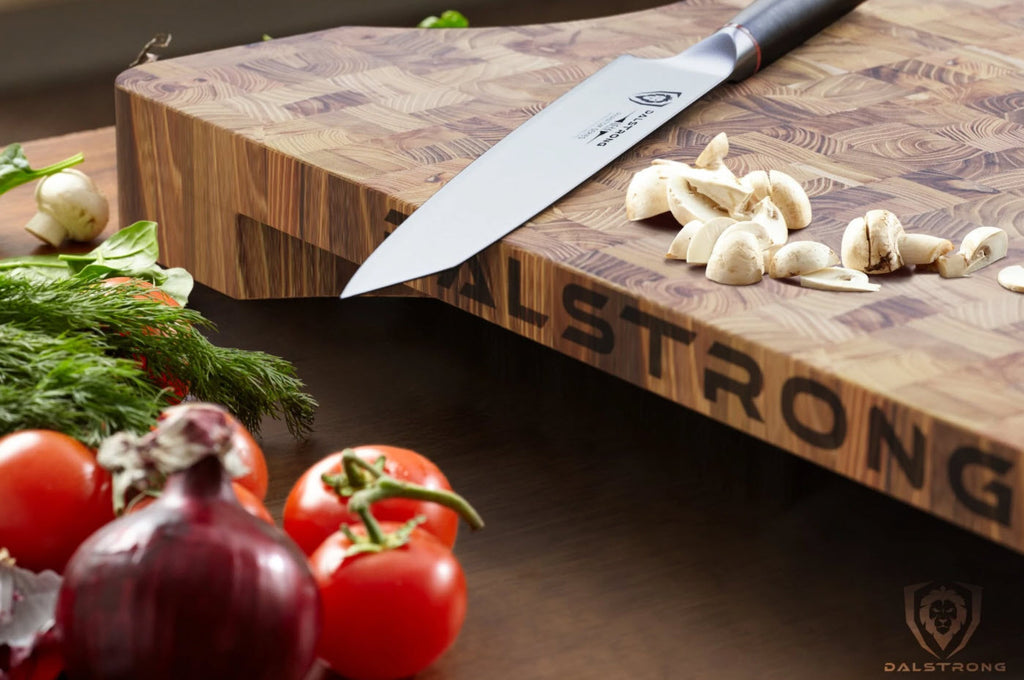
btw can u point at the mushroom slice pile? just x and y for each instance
(709, 200)
(739, 228)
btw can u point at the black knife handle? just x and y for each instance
(777, 26)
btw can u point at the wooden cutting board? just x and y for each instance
(274, 166)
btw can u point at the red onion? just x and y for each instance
(191, 586)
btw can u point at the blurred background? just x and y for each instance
(59, 58)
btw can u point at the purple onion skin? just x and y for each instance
(191, 587)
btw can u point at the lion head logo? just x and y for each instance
(943, 616)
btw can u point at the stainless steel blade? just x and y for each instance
(548, 156)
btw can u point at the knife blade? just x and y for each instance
(578, 134)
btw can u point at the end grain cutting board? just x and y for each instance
(272, 167)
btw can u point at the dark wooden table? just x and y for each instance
(627, 537)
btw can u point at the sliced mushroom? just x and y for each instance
(980, 248)
(799, 258)
(720, 186)
(871, 243)
(703, 240)
(677, 249)
(759, 184)
(712, 155)
(1012, 278)
(791, 198)
(765, 212)
(983, 246)
(686, 204)
(646, 195)
(764, 240)
(736, 260)
(839, 279)
(952, 265)
(923, 249)
(768, 254)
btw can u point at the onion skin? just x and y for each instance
(191, 586)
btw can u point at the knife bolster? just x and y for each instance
(748, 51)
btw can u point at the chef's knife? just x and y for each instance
(577, 135)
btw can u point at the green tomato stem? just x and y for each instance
(373, 529)
(357, 469)
(356, 474)
(389, 487)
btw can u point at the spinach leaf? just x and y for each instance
(15, 169)
(132, 251)
(39, 267)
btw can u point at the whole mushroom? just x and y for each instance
(70, 206)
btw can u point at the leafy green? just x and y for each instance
(15, 169)
(169, 340)
(70, 383)
(448, 19)
(132, 252)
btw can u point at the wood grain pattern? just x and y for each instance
(331, 138)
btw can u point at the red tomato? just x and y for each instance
(152, 291)
(257, 479)
(313, 511)
(179, 388)
(53, 494)
(389, 614)
(249, 451)
(253, 505)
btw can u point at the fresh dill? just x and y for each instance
(96, 329)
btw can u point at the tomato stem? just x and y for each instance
(388, 487)
(373, 530)
(357, 473)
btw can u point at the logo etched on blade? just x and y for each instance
(657, 98)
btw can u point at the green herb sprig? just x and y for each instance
(126, 324)
(70, 384)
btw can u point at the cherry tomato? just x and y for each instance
(53, 494)
(178, 387)
(257, 479)
(152, 291)
(389, 614)
(251, 454)
(313, 511)
(253, 505)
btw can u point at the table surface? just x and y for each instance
(626, 536)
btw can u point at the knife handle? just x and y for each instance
(776, 26)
